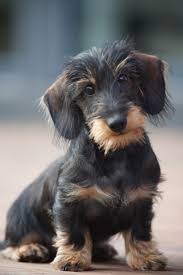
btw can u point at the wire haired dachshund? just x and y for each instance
(108, 179)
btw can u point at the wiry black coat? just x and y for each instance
(128, 168)
(115, 87)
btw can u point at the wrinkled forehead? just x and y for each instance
(96, 63)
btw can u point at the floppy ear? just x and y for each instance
(66, 115)
(152, 84)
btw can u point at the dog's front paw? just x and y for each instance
(70, 259)
(70, 264)
(146, 262)
(159, 263)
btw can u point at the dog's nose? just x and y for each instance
(117, 123)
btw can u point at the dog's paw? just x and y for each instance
(27, 253)
(73, 267)
(147, 262)
(60, 264)
(157, 264)
(68, 258)
(33, 253)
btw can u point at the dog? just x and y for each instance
(108, 179)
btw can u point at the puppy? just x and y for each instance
(107, 181)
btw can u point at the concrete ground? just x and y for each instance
(25, 149)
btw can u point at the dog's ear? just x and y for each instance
(66, 115)
(152, 83)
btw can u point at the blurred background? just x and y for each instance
(36, 36)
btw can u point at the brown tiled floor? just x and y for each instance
(25, 149)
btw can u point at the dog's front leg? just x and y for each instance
(69, 257)
(141, 250)
(73, 241)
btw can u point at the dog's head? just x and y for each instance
(110, 91)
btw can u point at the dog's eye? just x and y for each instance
(89, 90)
(122, 78)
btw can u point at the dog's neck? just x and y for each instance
(85, 159)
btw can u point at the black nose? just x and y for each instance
(117, 123)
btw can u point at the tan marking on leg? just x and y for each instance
(109, 140)
(27, 253)
(30, 238)
(141, 255)
(33, 251)
(68, 256)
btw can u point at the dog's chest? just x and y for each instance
(105, 221)
(117, 170)
(116, 183)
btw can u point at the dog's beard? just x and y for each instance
(109, 140)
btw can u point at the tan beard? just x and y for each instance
(109, 140)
